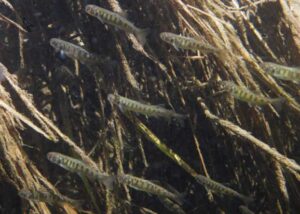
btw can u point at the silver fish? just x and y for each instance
(282, 72)
(48, 197)
(74, 51)
(221, 189)
(126, 104)
(149, 187)
(79, 167)
(244, 94)
(115, 19)
(187, 43)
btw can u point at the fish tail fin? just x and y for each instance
(180, 198)
(109, 181)
(142, 35)
(248, 199)
(278, 103)
(77, 203)
(181, 118)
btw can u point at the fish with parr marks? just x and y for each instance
(48, 197)
(282, 72)
(187, 43)
(221, 189)
(79, 167)
(126, 104)
(74, 51)
(149, 187)
(115, 19)
(244, 94)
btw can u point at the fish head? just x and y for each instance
(25, 193)
(226, 85)
(55, 43)
(54, 157)
(113, 99)
(90, 9)
(167, 37)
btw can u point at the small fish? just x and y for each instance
(244, 94)
(245, 210)
(115, 19)
(221, 189)
(171, 206)
(126, 104)
(79, 167)
(149, 187)
(48, 197)
(282, 72)
(73, 51)
(187, 43)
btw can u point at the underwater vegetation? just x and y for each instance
(174, 106)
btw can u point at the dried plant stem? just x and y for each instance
(232, 128)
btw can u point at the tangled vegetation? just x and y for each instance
(53, 103)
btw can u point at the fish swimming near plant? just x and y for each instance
(244, 94)
(126, 104)
(79, 167)
(48, 197)
(171, 205)
(187, 43)
(149, 187)
(117, 20)
(221, 189)
(74, 51)
(282, 72)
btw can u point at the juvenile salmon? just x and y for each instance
(126, 104)
(115, 19)
(187, 43)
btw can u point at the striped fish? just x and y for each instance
(282, 72)
(48, 197)
(115, 19)
(126, 104)
(79, 167)
(149, 187)
(74, 51)
(221, 189)
(187, 43)
(243, 94)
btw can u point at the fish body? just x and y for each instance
(48, 197)
(187, 43)
(73, 51)
(282, 72)
(149, 187)
(79, 167)
(126, 104)
(243, 94)
(171, 206)
(220, 188)
(115, 19)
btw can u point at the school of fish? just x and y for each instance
(171, 200)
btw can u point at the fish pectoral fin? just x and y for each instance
(175, 46)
